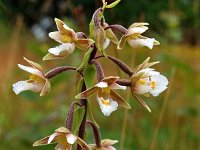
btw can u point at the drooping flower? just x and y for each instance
(107, 98)
(37, 81)
(64, 139)
(106, 144)
(150, 82)
(68, 40)
(135, 39)
(146, 81)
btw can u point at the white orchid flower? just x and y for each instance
(37, 81)
(135, 39)
(68, 40)
(146, 81)
(107, 98)
(64, 139)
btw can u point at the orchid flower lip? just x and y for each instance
(107, 105)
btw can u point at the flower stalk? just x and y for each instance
(120, 63)
(70, 115)
(100, 73)
(97, 135)
(119, 28)
(52, 73)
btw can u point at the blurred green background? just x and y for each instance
(174, 123)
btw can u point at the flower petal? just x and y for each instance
(63, 146)
(65, 30)
(136, 31)
(110, 148)
(138, 42)
(43, 141)
(110, 80)
(107, 105)
(31, 70)
(161, 83)
(82, 143)
(119, 100)
(62, 50)
(52, 137)
(106, 43)
(63, 130)
(108, 142)
(148, 72)
(110, 35)
(102, 85)
(142, 86)
(56, 36)
(139, 24)
(50, 56)
(71, 138)
(46, 89)
(117, 86)
(87, 93)
(33, 64)
(122, 42)
(25, 85)
(142, 102)
(84, 44)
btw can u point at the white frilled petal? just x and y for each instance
(67, 48)
(31, 70)
(106, 43)
(142, 86)
(107, 105)
(102, 85)
(148, 42)
(25, 85)
(71, 138)
(117, 86)
(56, 36)
(161, 83)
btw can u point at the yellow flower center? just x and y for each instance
(105, 91)
(105, 102)
(66, 39)
(142, 81)
(36, 78)
(153, 84)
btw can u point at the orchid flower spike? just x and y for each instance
(106, 97)
(135, 39)
(68, 40)
(37, 81)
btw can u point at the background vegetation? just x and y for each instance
(174, 123)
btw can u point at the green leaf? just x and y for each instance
(80, 85)
(78, 117)
(92, 117)
(89, 74)
(85, 59)
(113, 4)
